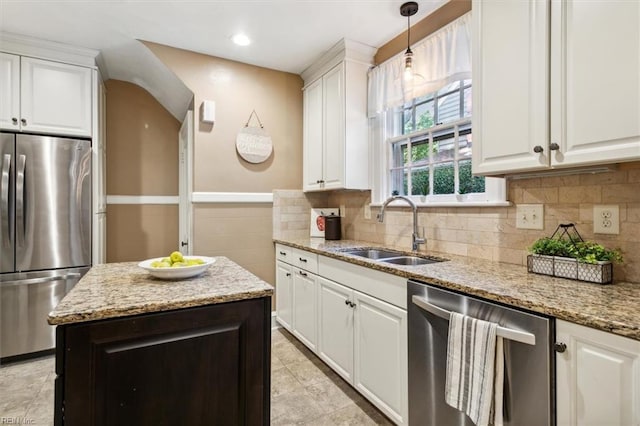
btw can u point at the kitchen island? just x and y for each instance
(133, 349)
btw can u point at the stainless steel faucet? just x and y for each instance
(416, 240)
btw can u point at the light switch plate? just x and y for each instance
(530, 216)
(606, 219)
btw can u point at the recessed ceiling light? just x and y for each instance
(241, 40)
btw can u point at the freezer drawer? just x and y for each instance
(26, 300)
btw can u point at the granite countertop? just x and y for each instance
(121, 289)
(614, 307)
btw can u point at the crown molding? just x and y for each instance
(47, 49)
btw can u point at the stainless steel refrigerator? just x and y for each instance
(45, 234)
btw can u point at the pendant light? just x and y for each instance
(408, 9)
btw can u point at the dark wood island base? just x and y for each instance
(206, 365)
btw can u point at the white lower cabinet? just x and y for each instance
(335, 342)
(305, 307)
(380, 355)
(364, 339)
(354, 318)
(597, 377)
(284, 293)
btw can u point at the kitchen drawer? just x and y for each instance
(283, 253)
(305, 260)
(387, 287)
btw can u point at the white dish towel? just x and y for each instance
(475, 369)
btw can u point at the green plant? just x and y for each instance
(587, 252)
(552, 247)
(591, 252)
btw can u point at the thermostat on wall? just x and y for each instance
(208, 112)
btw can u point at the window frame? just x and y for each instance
(390, 122)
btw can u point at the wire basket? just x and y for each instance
(567, 267)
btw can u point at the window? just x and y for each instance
(429, 144)
(424, 141)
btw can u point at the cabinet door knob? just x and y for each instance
(353, 305)
(288, 274)
(559, 347)
(23, 121)
(14, 120)
(346, 302)
(554, 146)
(538, 149)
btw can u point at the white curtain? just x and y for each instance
(439, 59)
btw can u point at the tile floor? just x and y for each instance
(304, 391)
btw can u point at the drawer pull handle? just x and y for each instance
(302, 259)
(288, 274)
(304, 274)
(283, 253)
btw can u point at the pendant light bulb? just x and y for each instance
(408, 65)
(408, 9)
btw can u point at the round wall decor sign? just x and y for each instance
(254, 144)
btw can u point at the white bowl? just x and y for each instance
(178, 272)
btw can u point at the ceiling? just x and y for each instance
(287, 35)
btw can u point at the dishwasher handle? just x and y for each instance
(507, 333)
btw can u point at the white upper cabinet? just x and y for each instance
(336, 153)
(595, 81)
(313, 135)
(45, 96)
(9, 91)
(556, 84)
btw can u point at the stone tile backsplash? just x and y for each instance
(487, 233)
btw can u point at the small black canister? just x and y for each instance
(332, 227)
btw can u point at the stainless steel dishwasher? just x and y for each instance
(529, 397)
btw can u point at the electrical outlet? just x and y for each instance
(530, 216)
(606, 219)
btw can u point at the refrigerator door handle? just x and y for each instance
(72, 275)
(20, 189)
(4, 199)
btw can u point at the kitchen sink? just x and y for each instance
(372, 253)
(410, 260)
(391, 256)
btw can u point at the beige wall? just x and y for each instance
(489, 233)
(241, 232)
(142, 159)
(237, 89)
(142, 143)
(138, 232)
